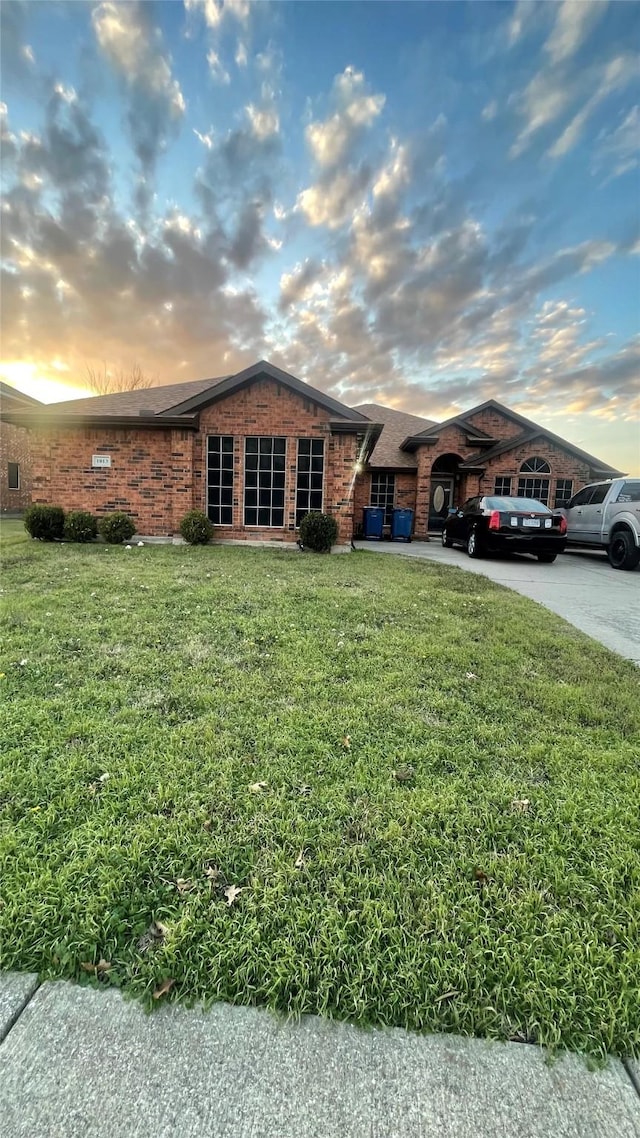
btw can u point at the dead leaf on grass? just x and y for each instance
(299, 862)
(470, 676)
(520, 805)
(98, 969)
(183, 885)
(154, 936)
(231, 892)
(165, 987)
(346, 742)
(257, 787)
(211, 871)
(304, 790)
(207, 825)
(404, 774)
(480, 876)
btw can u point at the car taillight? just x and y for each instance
(563, 524)
(494, 520)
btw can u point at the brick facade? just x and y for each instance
(157, 475)
(15, 446)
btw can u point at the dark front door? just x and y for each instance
(441, 500)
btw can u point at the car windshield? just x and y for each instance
(516, 505)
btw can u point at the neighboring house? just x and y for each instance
(486, 450)
(257, 450)
(15, 456)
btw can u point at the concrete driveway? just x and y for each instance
(580, 586)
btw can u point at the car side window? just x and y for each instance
(470, 505)
(599, 494)
(581, 498)
(629, 492)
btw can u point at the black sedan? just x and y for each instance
(506, 525)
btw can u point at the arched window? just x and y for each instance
(535, 465)
(530, 482)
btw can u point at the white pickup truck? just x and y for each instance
(606, 515)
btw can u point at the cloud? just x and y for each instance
(614, 75)
(133, 48)
(619, 151)
(574, 23)
(333, 201)
(214, 12)
(295, 286)
(241, 54)
(331, 140)
(264, 121)
(218, 72)
(523, 17)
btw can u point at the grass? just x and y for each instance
(12, 532)
(493, 888)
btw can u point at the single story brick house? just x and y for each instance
(15, 452)
(258, 449)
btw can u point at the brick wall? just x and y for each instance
(563, 465)
(404, 496)
(139, 480)
(15, 446)
(157, 476)
(494, 424)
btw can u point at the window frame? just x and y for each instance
(535, 465)
(502, 493)
(221, 484)
(16, 465)
(300, 511)
(628, 482)
(384, 505)
(561, 503)
(533, 493)
(262, 453)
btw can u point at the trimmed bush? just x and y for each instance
(196, 528)
(116, 528)
(46, 523)
(80, 525)
(318, 532)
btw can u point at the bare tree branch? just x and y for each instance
(106, 382)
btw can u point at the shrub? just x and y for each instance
(116, 528)
(46, 523)
(318, 532)
(196, 528)
(80, 525)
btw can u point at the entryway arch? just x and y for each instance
(444, 473)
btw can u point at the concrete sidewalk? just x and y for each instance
(81, 1063)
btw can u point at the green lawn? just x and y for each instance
(426, 788)
(12, 532)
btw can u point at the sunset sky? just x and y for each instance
(423, 205)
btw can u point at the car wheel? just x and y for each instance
(547, 558)
(622, 551)
(446, 540)
(473, 544)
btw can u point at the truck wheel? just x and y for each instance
(622, 550)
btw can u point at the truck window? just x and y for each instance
(581, 498)
(629, 492)
(599, 493)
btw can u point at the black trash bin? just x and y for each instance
(372, 522)
(401, 525)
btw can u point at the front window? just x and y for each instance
(535, 465)
(220, 479)
(503, 486)
(564, 490)
(14, 475)
(383, 489)
(264, 475)
(309, 477)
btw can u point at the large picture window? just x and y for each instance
(220, 479)
(264, 475)
(309, 477)
(383, 490)
(564, 490)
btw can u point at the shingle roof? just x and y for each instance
(397, 425)
(10, 395)
(484, 456)
(119, 403)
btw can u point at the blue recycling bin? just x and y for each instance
(401, 525)
(372, 522)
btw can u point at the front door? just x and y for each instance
(441, 500)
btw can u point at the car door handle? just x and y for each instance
(598, 511)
